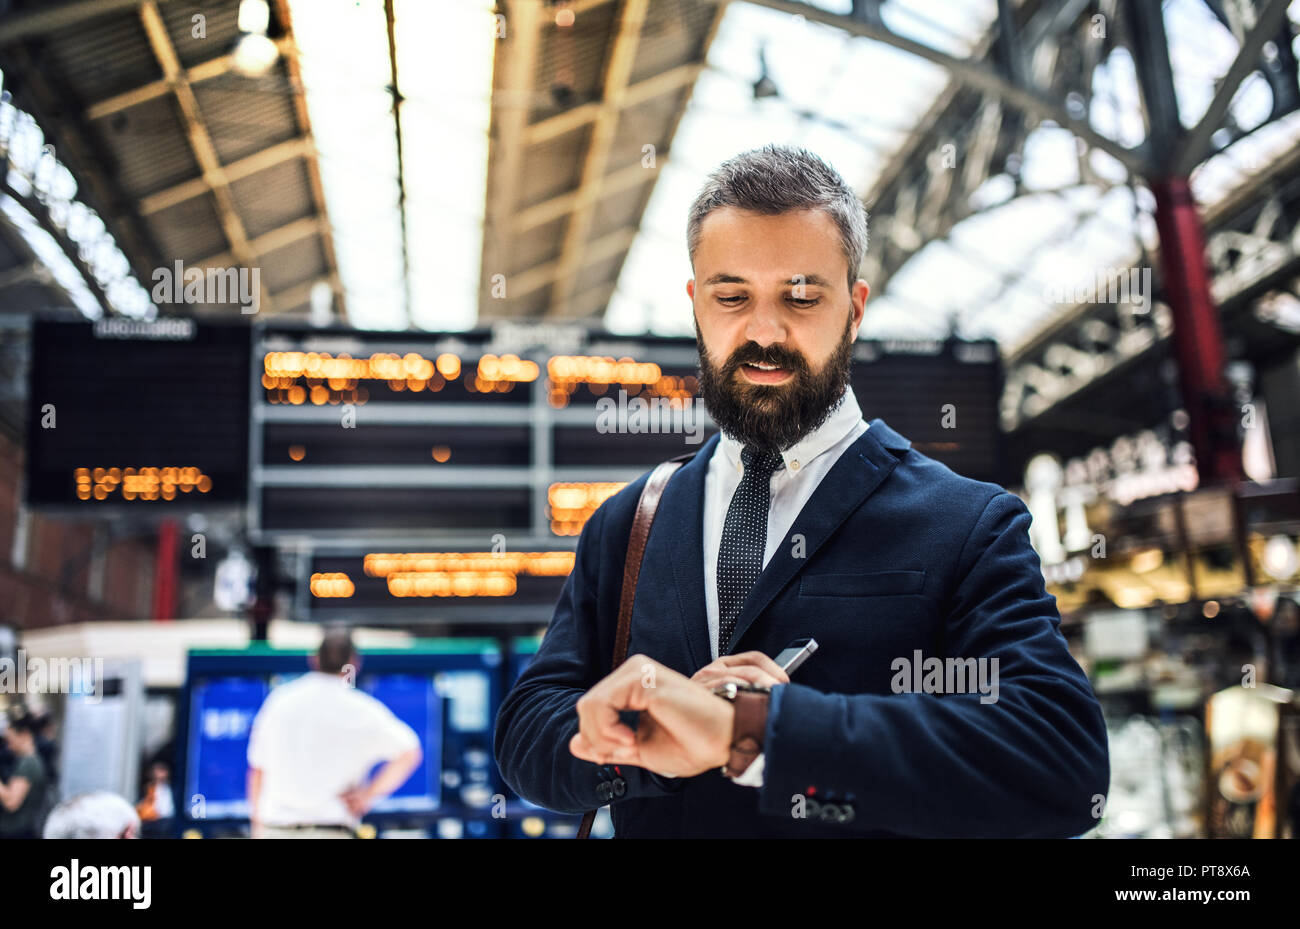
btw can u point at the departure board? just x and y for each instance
(146, 415)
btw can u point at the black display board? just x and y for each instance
(140, 415)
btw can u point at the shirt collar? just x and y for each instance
(841, 421)
(324, 677)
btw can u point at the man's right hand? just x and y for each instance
(358, 801)
(746, 668)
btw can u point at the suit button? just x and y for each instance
(620, 786)
(604, 791)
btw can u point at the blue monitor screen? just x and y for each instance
(447, 691)
(222, 714)
(416, 702)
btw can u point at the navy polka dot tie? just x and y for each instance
(744, 538)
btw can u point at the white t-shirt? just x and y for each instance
(314, 738)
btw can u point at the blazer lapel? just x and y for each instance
(681, 517)
(861, 468)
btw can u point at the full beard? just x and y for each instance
(772, 417)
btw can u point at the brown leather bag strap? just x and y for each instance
(646, 505)
(645, 514)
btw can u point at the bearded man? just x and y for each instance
(942, 700)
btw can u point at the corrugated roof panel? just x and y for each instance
(219, 27)
(101, 58)
(293, 264)
(648, 123)
(674, 33)
(535, 247)
(189, 231)
(553, 167)
(619, 211)
(146, 147)
(245, 115)
(598, 274)
(269, 199)
(574, 58)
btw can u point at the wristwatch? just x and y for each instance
(751, 703)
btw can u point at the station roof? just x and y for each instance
(442, 166)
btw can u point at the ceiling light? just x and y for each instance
(254, 16)
(254, 55)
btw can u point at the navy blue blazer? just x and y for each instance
(900, 556)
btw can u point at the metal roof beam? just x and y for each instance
(593, 299)
(673, 79)
(204, 71)
(1196, 143)
(205, 152)
(618, 70)
(974, 74)
(28, 25)
(517, 59)
(296, 294)
(274, 239)
(301, 147)
(602, 249)
(557, 207)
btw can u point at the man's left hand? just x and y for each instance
(684, 728)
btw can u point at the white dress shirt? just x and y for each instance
(806, 463)
(314, 738)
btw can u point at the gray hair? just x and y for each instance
(777, 179)
(97, 815)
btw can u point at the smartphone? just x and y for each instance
(795, 654)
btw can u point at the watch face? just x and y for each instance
(732, 686)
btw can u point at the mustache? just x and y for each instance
(772, 355)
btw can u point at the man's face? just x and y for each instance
(775, 321)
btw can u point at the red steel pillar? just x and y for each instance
(166, 571)
(1198, 342)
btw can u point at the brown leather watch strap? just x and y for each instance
(748, 731)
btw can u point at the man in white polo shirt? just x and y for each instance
(312, 744)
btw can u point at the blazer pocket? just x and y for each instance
(879, 584)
